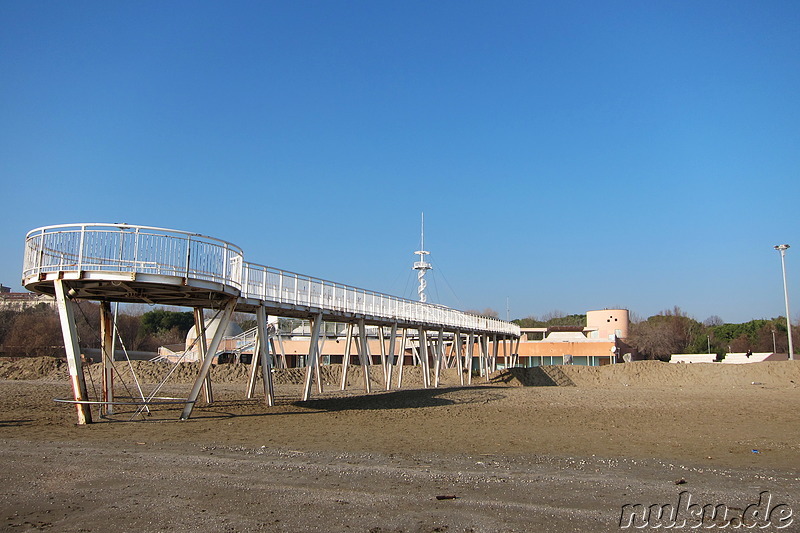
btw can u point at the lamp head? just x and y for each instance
(782, 247)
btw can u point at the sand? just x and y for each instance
(547, 449)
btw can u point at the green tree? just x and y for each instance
(159, 321)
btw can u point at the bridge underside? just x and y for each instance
(126, 287)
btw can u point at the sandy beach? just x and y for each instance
(547, 449)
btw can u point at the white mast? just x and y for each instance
(422, 266)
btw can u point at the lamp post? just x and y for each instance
(782, 249)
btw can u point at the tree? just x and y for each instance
(488, 312)
(756, 335)
(667, 333)
(159, 321)
(712, 321)
(552, 315)
(35, 333)
(553, 318)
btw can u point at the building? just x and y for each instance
(600, 342)
(19, 301)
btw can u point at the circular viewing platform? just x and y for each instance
(137, 264)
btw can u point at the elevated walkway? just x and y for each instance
(143, 264)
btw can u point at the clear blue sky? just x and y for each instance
(567, 155)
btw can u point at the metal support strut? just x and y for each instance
(69, 331)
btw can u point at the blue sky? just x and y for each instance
(567, 155)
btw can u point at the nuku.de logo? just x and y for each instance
(691, 515)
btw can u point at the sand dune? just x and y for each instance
(542, 449)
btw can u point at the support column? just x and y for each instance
(485, 356)
(457, 349)
(313, 354)
(255, 364)
(107, 351)
(209, 358)
(401, 358)
(439, 357)
(423, 355)
(202, 349)
(390, 360)
(317, 365)
(516, 350)
(364, 355)
(264, 355)
(479, 342)
(495, 352)
(284, 365)
(346, 358)
(383, 356)
(69, 331)
(470, 356)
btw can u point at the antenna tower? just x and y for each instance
(422, 266)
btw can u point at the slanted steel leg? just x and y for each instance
(390, 361)
(311, 362)
(495, 352)
(423, 349)
(107, 351)
(479, 342)
(346, 359)
(255, 363)
(439, 356)
(202, 350)
(264, 355)
(470, 355)
(401, 358)
(68, 330)
(317, 369)
(383, 356)
(364, 355)
(209, 358)
(485, 356)
(283, 363)
(457, 348)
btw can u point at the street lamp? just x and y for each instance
(782, 249)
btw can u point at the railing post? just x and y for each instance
(80, 250)
(136, 247)
(188, 253)
(41, 252)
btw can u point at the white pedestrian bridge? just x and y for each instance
(142, 264)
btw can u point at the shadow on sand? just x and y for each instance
(538, 376)
(405, 399)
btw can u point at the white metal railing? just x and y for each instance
(271, 284)
(126, 248)
(149, 250)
